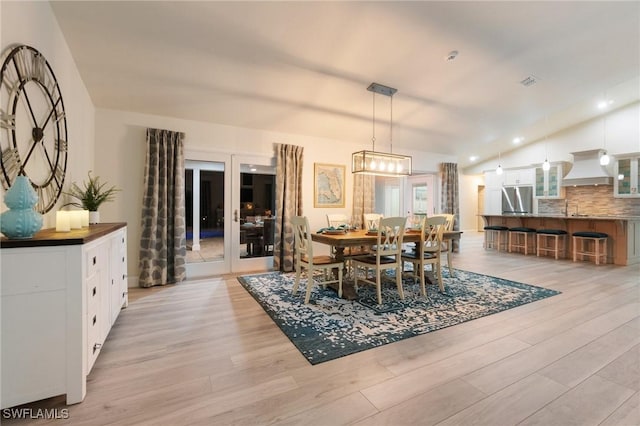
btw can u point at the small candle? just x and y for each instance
(85, 218)
(62, 221)
(75, 218)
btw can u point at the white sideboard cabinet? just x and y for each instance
(60, 293)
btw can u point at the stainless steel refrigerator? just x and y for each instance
(517, 199)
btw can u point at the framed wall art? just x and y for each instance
(328, 190)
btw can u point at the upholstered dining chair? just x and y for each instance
(304, 258)
(446, 245)
(387, 256)
(428, 251)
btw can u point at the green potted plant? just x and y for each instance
(91, 195)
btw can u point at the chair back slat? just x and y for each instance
(337, 220)
(302, 237)
(371, 220)
(431, 238)
(390, 236)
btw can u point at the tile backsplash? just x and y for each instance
(591, 200)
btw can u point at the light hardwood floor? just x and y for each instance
(204, 352)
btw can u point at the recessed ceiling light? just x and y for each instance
(518, 139)
(451, 55)
(604, 104)
(473, 158)
(254, 169)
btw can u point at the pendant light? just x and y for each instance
(376, 162)
(604, 158)
(499, 168)
(546, 165)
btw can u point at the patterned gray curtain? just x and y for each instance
(450, 203)
(364, 198)
(163, 247)
(288, 203)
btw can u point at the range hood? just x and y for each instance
(587, 170)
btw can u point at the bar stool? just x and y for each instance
(596, 239)
(495, 236)
(519, 239)
(559, 241)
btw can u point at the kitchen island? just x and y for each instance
(624, 231)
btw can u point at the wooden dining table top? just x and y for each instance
(362, 237)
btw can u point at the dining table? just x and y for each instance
(343, 239)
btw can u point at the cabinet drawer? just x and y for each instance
(93, 295)
(93, 261)
(94, 343)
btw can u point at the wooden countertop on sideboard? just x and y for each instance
(50, 237)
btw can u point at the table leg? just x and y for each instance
(348, 289)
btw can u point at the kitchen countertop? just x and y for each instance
(561, 216)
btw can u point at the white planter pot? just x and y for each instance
(94, 217)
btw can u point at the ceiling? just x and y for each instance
(303, 67)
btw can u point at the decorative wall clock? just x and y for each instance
(33, 125)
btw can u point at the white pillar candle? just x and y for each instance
(85, 218)
(75, 218)
(62, 221)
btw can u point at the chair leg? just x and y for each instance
(309, 285)
(440, 282)
(379, 286)
(449, 263)
(399, 282)
(297, 282)
(423, 287)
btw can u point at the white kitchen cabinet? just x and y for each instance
(493, 180)
(548, 183)
(627, 177)
(60, 295)
(493, 192)
(493, 201)
(519, 177)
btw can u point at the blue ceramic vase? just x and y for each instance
(21, 220)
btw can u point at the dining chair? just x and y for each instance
(387, 256)
(371, 220)
(428, 252)
(267, 236)
(304, 258)
(446, 244)
(337, 220)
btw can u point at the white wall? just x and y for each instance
(622, 137)
(120, 148)
(34, 24)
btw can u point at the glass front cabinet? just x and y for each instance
(548, 183)
(626, 177)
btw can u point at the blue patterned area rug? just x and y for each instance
(329, 327)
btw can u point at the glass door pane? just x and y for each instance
(253, 201)
(206, 203)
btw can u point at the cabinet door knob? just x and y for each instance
(94, 291)
(96, 346)
(94, 260)
(95, 319)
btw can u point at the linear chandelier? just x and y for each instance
(376, 162)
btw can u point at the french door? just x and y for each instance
(229, 204)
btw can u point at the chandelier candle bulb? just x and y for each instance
(63, 223)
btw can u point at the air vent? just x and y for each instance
(529, 81)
